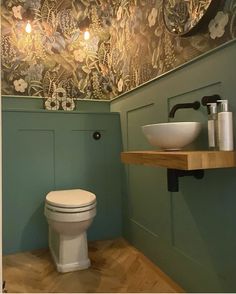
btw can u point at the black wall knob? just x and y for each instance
(97, 135)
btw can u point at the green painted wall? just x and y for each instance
(191, 234)
(44, 151)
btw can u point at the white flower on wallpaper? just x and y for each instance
(59, 94)
(218, 24)
(59, 100)
(52, 104)
(68, 104)
(20, 85)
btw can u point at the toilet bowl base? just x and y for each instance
(70, 267)
(69, 253)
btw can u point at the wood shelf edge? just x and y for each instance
(183, 160)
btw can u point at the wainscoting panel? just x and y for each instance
(28, 161)
(44, 151)
(185, 231)
(151, 217)
(136, 118)
(189, 234)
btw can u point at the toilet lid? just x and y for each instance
(70, 198)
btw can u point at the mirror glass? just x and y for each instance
(182, 16)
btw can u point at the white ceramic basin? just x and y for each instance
(172, 135)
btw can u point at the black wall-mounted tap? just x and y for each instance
(195, 105)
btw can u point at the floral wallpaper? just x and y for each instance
(125, 45)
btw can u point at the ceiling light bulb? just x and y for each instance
(86, 35)
(28, 27)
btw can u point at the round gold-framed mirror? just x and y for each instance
(185, 17)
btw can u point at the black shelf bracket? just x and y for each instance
(174, 174)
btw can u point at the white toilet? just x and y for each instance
(69, 214)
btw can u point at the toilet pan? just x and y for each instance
(69, 214)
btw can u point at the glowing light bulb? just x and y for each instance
(86, 35)
(28, 27)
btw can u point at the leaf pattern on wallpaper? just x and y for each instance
(128, 45)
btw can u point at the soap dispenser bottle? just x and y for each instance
(225, 127)
(212, 126)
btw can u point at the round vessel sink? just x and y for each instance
(172, 135)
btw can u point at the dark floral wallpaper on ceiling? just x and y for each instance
(128, 45)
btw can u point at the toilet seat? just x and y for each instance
(70, 201)
(55, 208)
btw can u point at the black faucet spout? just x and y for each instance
(194, 105)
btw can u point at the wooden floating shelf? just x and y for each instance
(182, 160)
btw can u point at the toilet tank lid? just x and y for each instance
(70, 198)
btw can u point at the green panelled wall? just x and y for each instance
(191, 234)
(44, 151)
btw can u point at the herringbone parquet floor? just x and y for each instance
(116, 267)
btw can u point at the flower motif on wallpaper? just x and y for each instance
(20, 85)
(218, 24)
(68, 104)
(59, 94)
(52, 104)
(59, 100)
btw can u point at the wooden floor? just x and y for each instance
(116, 267)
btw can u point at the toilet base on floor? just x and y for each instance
(70, 253)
